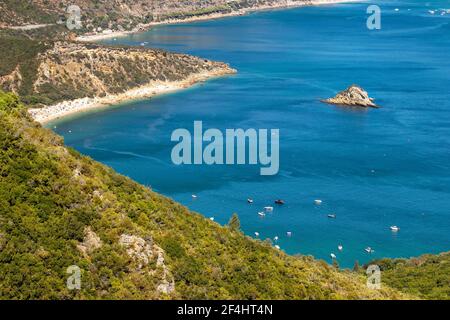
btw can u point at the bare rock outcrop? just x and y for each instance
(353, 96)
(144, 252)
(90, 243)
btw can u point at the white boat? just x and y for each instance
(318, 202)
(332, 216)
(397, 9)
(340, 248)
(268, 209)
(276, 238)
(395, 228)
(250, 200)
(333, 256)
(194, 196)
(277, 247)
(289, 234)
(212, 218)
(257, 234)
(431, 11)
(369, 250)
(262, 214)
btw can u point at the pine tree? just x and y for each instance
(234, 222)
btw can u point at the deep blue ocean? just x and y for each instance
(372, 168)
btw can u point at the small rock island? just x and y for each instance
(353, 96)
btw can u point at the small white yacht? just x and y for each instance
(340, 247)
(276, 238)
(333, 256)
(261, 214)
(268, 209)
(250, 200)
(369, 250)
(289, 234)
(318, 202)
(277, 247)
(257, 234)
(394, 228)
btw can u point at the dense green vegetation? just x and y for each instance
(53, 200)
(427, 276)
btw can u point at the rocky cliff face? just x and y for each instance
(67, 71)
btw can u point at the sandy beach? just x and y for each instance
(67, 108)
(287, 4)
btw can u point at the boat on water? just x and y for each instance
(333, 256)
(289, 234)
(257, 234)
(275, 238)
(277, 247)
(279, 201)
(369, 250)
(194, 196)
(261, 214)
(318, 202)
(394, 228)
(249, 200)
(268, 209)
(332, 216)
(340, 247)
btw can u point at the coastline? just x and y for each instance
(71, 107)
(213, 16)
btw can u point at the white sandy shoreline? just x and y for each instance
(288, 4)
(67, 108)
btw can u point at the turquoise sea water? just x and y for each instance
(372, 168)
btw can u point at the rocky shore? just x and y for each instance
(353, 96)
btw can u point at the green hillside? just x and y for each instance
(58, 208)
(427, 276)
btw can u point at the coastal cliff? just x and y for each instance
(70, 76)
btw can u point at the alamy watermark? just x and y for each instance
(74, 278)
(374, 20)
(73, 21)
(373, 277)
(236, 146)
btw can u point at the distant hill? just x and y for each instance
(122, 14)
(58, 209)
